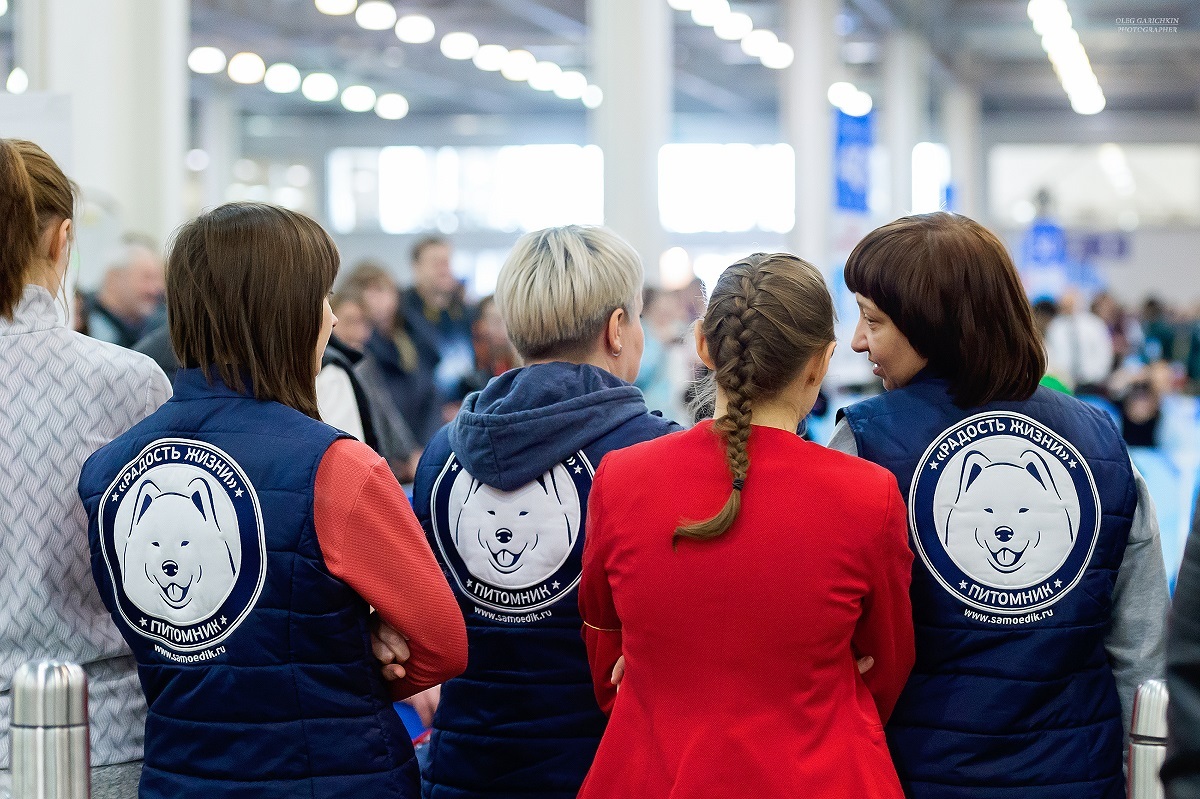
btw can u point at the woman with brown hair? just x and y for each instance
(239, 542)
(62, 395)
(1039, 590)
(788, 555)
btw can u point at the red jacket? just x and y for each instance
(740, 651)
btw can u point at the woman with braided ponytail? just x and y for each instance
(792, 557)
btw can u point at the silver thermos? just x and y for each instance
(50, 732)
(1148, 740)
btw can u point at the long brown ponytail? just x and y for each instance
(19, 233)
(34, 194)
(767, 317)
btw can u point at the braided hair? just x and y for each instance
(767, 317)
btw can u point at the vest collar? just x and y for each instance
(191, 384)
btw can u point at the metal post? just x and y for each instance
(1148, 740)
(50, 754)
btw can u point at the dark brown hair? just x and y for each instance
(950, 287)
(245, 288)
(766, 319)
(34, 195)
(424, 243)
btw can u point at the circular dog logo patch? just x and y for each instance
(513, 551)
(182, 535)
(1004, 513)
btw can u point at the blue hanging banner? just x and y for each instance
(852, 160)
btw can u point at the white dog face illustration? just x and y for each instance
(1009, 525)
(177, 563)
(516, 539)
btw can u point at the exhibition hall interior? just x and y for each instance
(431, 139)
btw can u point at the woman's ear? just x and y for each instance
(612, 332)
(819, 365)
(702, 346)
(60, 237)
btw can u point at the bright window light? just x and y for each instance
(415, 29)
(930, 177)
(702, 188)
(206, 60)
(282, 78)
(3, 7)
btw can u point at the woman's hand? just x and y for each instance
(389, 647)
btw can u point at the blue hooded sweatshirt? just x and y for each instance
(502, 493)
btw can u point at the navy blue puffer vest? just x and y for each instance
(1019, 514)
(504, 509)
(255, 660)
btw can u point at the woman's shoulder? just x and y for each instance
(671, 442)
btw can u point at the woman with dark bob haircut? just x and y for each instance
(239, 542)
(1038, 592)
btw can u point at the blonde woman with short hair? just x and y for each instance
(502, 493)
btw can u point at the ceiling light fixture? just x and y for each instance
(206, 61)
(415, 29)
(459, 46)
(375, 15)
(391, 106)
(336, 8)
(246, 68)
(282, 78)
(357, 98)
(320, 87)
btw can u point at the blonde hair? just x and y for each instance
(560, 285)
(767, 317)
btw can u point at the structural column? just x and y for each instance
(962, 126)
(220, 137)
(905, 110)
(633, 64)
(807, 121)
(123, 63)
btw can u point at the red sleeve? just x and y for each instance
(371, 540)
(885, 629)
(601, 625)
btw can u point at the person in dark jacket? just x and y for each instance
(1039, 591)
(239, 543)
(502, 493)
(439, 318)
(1181, 771)
(398, 360)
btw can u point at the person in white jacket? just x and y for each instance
(62, 396)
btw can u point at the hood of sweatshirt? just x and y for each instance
(529, 419)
